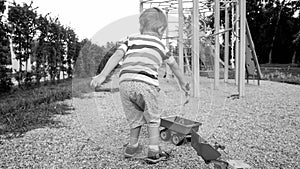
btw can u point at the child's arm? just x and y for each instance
(182, 80)
(110, 65)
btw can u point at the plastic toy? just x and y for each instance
(181, 130)
(177, 129)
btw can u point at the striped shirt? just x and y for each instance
(144, 54)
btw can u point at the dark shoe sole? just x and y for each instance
(165, 157)
(140, 149)
(155, 161)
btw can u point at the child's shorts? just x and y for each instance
(140, 104)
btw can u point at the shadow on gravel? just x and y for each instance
(80, 87)
(16, 124)
(112, 90)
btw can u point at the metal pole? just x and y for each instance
(217, 45)
(242, 48)
(168, 70)
(195, 47)
(141, 6)
(237, 43)
(180, 33)
(248, 33)
(233, 38)
(226, 52)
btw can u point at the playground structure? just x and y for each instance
(243, 55)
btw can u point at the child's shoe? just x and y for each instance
(131, 151)
(156, 156)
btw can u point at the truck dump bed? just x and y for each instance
(179, 124)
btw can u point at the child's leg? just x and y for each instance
(133, 106)
(133, 148)
(134, 136)
(152, 115)
(155, 154)
(153, 129)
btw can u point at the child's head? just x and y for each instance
(153, 20)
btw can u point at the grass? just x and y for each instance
(286, 74)
(23, 110)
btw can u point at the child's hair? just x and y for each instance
(152, 19)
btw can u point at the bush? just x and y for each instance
(5, 80)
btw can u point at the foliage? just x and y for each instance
(273, 26)
(90, 56)
(296, 43)
(106, 58)
(50, 47)
(56, 41)
(72, 49)
(41, 48)
(5, 79)
(23, 21)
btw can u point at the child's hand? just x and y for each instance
(97, 80)
(186, 88)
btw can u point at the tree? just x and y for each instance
(273, 26)
(5, 79)
(41, 47)
(105, 58)
(56, 39)
(295, 6)
(276, 28)
(73, 49)
(296, 43)
(22, 21)
(79, 68)
(61, 44)
(89, 58)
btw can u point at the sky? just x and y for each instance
(86, 17)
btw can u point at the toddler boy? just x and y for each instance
(142, 56)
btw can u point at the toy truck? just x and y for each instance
(177, 129)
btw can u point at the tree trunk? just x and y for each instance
(19, 74)
(38, 71)
(58, 73)
(44, 69)
(275, 32)
(27, 57)
(294, 57)
(26, 67)
(20, 67)
(53, 66)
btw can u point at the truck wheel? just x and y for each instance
(165, 134)
(177, 139)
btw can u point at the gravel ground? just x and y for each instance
(262, 129)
